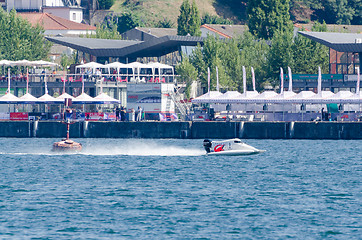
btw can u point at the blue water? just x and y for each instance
(167, 189)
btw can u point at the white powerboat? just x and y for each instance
(231, 147)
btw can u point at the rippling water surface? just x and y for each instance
(168, 189)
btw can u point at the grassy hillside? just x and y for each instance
(302, 11)
(151, 11)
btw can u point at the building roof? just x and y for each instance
(158, 32)
(341, 42)
(227, 31)
(125, 48)
(146, 34)
(94, 46)
(51, 22)
(332, 28)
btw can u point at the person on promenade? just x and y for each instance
(132, 115)
(98, 74)
(123, 113)
(68, 114)
(117, 113)
(42, 75)
(139, 114)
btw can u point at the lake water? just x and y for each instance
(168, 189)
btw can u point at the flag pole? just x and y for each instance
(290, 88)
(281, 80)
(208, 79)
(9, 80)
(253, 78)
(244, 80)
(27, 80)
(217, 79)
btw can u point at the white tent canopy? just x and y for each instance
(83, 99)
(300, 97)
(117, 65)
(105, 99)
(159, 67)
(46, 98)
(206, 97)
(138, 65)
(355, 98)
(42, 63)
(21, 63)
(319, 97)
(28, 98)
(263, 97)
(228, 97)
(245, 96)
(280, 98)
(5, 62)
(337, 98)
(9, 98)
(285, 97)
(64, 96)
(91, 65)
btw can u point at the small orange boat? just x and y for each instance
(67, 145)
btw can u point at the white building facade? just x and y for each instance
(74, 14)
(71, 11)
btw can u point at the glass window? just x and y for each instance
(332, 68)
(332, 56)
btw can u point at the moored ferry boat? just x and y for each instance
(231, 147)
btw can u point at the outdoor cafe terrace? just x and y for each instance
(91, 72)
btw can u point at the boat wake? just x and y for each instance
(133, 148)
(113, 147)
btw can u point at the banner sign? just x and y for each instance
(110, 116)
(313, 76)
(94, 116)
(19, 116)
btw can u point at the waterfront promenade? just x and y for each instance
(183, 130)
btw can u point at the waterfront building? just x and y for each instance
(345, 55)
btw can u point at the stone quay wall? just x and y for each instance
(184, 130)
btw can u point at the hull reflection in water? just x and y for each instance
(232, 147)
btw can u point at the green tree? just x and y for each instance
(246, 51)
(194, 21)
(183, 18)
(265, 17)
(344, 12)
(335, 11)
(188, 21)
(212, 19)
(280, 54)
(20, 40)
(187, 73)
(103, 32)
(229, 56)
(127, 21)
(66, 61)
(197, 60)
(165, 23)
(308, 54)
(105, 4)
